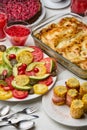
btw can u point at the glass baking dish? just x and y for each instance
(48, 50)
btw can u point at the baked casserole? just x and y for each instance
(68, 37)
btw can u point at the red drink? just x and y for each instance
(79, 7)
(17, 34)
(3, 22)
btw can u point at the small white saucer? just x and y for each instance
(58, 5)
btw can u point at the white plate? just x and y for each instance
(58, 5)
(40, 17)
(61, 114)
(32, 96)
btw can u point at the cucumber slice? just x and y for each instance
(26, 87)
(33, 65)
(39, 77)
(11, 50)
(5, 67)
(5, 59)
(41, 68)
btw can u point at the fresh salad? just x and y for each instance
(25, 71)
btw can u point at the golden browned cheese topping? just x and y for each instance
(73, 83)
(68, 37)
(60, 91)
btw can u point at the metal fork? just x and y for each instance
(29, 110)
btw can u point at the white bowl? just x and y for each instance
(55, 1)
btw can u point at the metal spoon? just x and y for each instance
(4, 110)
(24, 124)
(28, 111)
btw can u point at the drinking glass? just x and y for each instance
(79, 7)
(17, 32)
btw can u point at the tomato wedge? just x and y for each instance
(19, 94)
(37, 53)
(30, 73)
(48, 81)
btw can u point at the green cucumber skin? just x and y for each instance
(5, 67)
(11, 50)
(21, 87)
(38, 77)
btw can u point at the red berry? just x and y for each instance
(36, 70)
(12, 56)
(24, 66)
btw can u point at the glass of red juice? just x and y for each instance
(3, 23)
(79, 7)
(17, 32)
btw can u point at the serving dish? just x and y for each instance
(61, 114)
(61, 59)
(56, 5)
(7, 88)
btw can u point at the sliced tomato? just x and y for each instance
(19, 94)
(8, 80)
(48, 81)
(30, 73)
(37, 53)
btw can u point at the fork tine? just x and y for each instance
(34, 108)
(31, 109)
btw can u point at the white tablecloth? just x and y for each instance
(43, 122)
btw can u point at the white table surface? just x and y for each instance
(43, 122)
